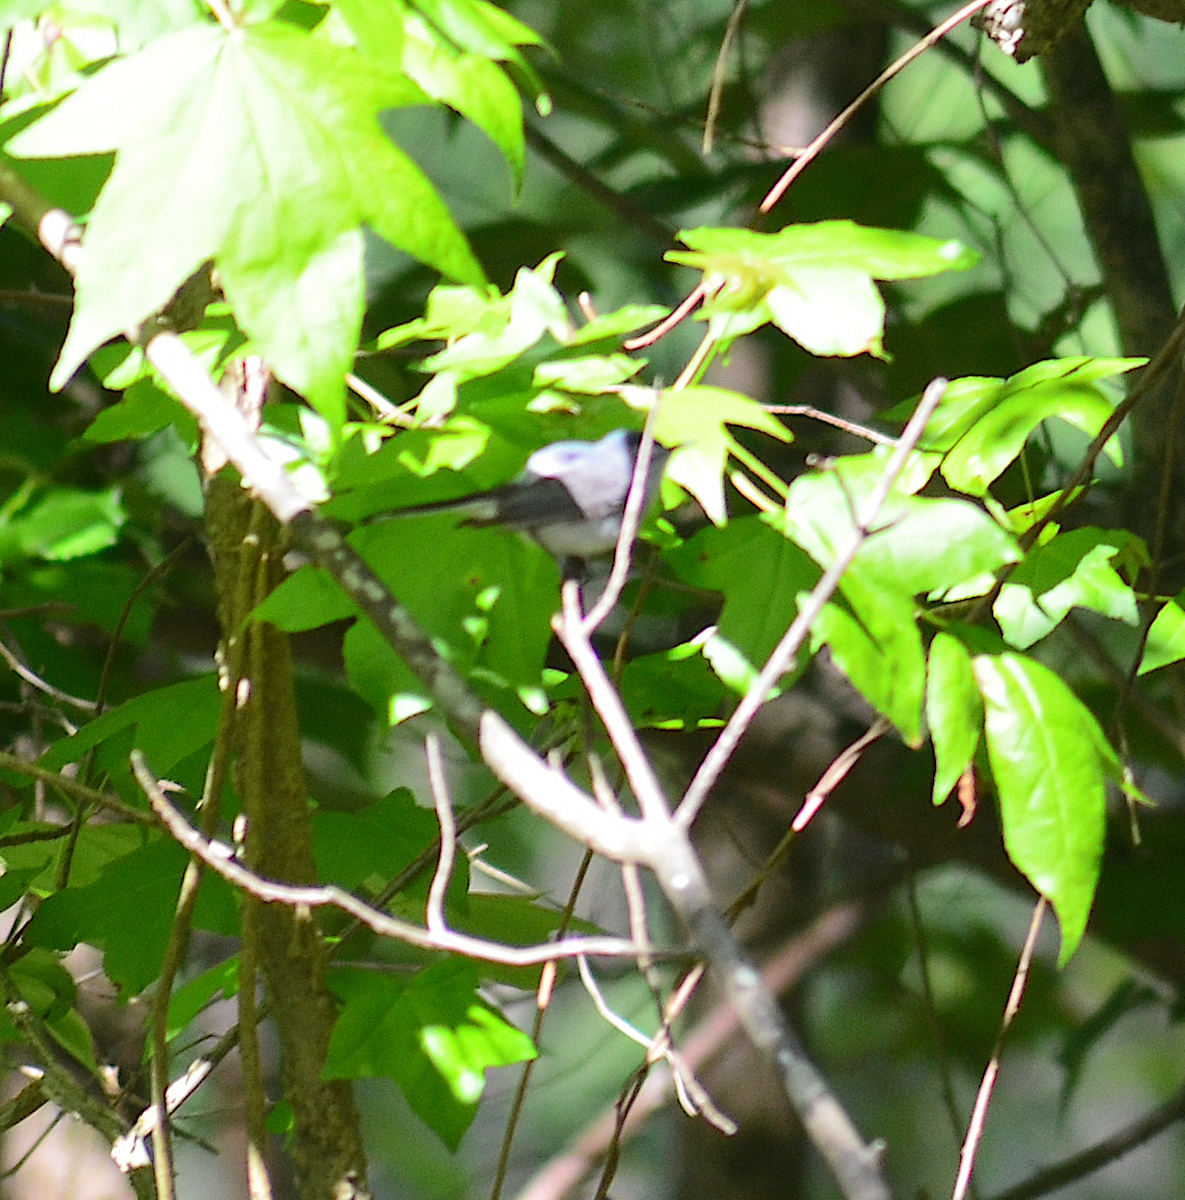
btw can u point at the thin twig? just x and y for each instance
(983, 1098)
(117, 636)
(836, 773)
(943, 1061)
(179, 931)
(817, 414)
(35, 681)
(831, 778)
(220, 858)
(698, 293)
(631, 213)
(811, 152)
(543, 997)
(563, 1174)
(438, 785)
(631, 519)
(4, 57)
(389, 412)
(720, 73)
(73, 790)
(129, 1151)
(1033, 122)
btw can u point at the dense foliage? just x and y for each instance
(412, 241)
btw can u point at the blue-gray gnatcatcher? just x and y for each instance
(570, 497)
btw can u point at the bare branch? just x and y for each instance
(563, 1175)
(220, 858)
(979, 1113)
(438, 889)
(548, 792)
(35, 681)
(631, 518)
(74, 790)
(573, 631)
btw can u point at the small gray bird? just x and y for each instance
(570, 497)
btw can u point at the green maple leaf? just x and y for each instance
(815, 282)
(258, 148)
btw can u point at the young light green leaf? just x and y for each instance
(954, 712)
(472, 84)
(258, 148)
(815, 282)
(481, 28)
(487, 331)
(697, 419)
(1166, 636)
(614, 324)
(377, 27)
(1050, 761)
(982, 423)
(592, 374)
(962, 404)
(1074, 570)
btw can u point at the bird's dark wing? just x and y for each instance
(526, 504)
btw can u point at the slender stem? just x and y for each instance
(987, 1085)
(812, 151)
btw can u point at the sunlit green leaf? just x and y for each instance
(259, 148)
(472, 84)
(815, 282)
(954, 712)
(1050, 761)
(990, 420)
(696, 420)
(1074, 570)
(433, 1036)
(499, 641)
(1166, 636)
(592, 374)
(66, 523)
(916, 544)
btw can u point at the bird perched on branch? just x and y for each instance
(570, 497)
